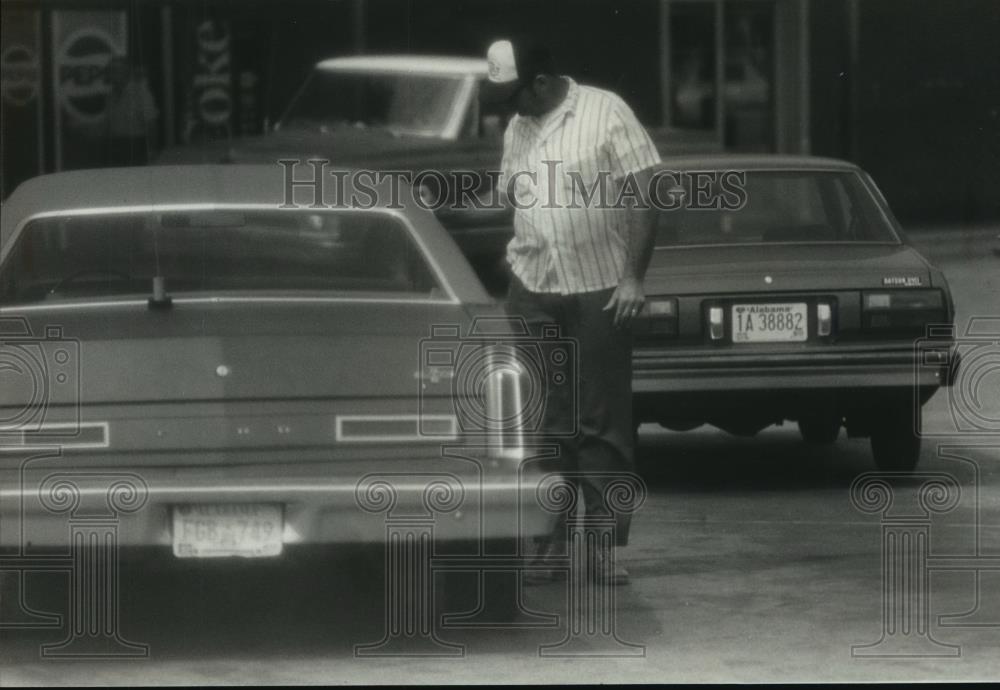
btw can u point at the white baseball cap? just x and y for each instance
(501, 63)
(509, 67)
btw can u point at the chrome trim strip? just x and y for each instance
(838, 243)
(383, 438)
(217, 300)
(27, 444)
(273, 489)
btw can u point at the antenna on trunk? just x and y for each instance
(160, 298)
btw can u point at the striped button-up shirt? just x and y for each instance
(564, 242)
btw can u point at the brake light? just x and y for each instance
(661, 307)
(658, 317)
(904, 299)
(906, 309)
(878, 301)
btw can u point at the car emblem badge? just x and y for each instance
(902, 281)
(768, 279)
(222, 371)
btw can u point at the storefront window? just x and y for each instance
(722, 49)
(692, 65)
(749, 76)
(20, 97)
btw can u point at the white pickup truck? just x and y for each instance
(402, 112)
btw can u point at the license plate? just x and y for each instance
(250, 530)
(769, 323)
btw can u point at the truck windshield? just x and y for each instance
(401, 103)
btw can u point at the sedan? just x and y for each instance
(230, 373)
(782, 288)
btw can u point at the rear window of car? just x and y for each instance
(779, 207)
(247, 251)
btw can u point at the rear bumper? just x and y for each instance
(659, 371)
(322, 503)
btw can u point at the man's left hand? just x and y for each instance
(626, 302)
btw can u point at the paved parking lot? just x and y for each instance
(749, 562)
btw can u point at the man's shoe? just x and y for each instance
(543, 567)
(605, 574)
(620, 576)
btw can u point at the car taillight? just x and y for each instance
(658, 317)
(504, 407)
(903, 309)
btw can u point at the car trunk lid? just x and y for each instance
(229, 376)
(781, 268)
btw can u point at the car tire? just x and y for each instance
(820, 430)
(895, 442)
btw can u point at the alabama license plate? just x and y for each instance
(251, 530)
(769, 323)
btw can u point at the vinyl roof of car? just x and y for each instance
(157, 185)
(754, 162)
(206, 187)
(410, 64)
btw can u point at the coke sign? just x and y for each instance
(210, 100)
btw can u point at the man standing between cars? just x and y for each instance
(578, 263)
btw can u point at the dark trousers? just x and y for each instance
(604, 438)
